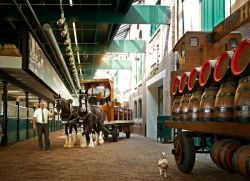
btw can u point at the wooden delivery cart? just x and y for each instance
(118, 118)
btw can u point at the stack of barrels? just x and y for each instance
(218, 91)
(230, 155)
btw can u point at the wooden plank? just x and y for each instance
(226, 128)
(234, 21)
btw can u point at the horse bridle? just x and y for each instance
(59, 102)
(88, 112)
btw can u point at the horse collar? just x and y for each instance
(84, 117)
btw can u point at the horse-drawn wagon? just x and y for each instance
(118, 118)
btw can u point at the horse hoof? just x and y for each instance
(83, 146)
(91, 145)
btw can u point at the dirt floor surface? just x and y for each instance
(133, 159)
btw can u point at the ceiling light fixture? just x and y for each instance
(74, 29)
(67, 41)
(78, 57)
(61, 21)
(64, 31)
(104, 58)
(13, 91)
(70, 3)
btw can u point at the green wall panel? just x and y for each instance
(22, 129)
(30, 129)
(12, 130)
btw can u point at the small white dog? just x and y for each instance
(163, 165)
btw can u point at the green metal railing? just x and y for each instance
(163, 133)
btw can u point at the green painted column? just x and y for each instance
(17, 122)
(5, 113)
(27, 106)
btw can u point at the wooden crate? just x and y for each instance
(194, 48)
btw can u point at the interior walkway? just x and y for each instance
(133, 159)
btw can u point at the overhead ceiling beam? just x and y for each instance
(109, 64)
(122, 46)
(137, 14)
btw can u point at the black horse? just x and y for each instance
(68, 114)
(93, 120)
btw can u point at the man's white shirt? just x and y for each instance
(38, 115)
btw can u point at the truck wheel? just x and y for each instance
(106, 135)
(128, 134)
(115, 134)
(184, 152)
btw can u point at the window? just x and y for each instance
(140, 108)
(213, 12)
(135, 109)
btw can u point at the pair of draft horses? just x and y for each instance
(89, 117)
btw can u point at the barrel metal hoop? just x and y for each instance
(223, 119)
(208, 97)
(223, 94)
(198, 93)
(244, 79)
(192, 111)
(206, 110)
(229, 84)
(240, 119)
(194, 119)
(195, 100)
(241, 89)
(206, 119)
(241, 108)
(224, 109)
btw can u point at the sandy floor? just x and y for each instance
(132, 159)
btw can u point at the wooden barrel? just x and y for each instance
(222, 71)
(241, 161)
(240, 63)
(193, 79)
(176, 108)
(175, 86)
(224, 102)
(206, 74)
(242, 101)
(194, 106)
(206, 111)
(183, 82)
(222, 152)
(183, 112)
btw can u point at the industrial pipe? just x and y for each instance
(57, 50)
(38, 22)
(32, 11)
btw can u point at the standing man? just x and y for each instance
(40, 122)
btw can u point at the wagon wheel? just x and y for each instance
(106, 135)
(115, 134)
(184, 152)
(128, 132)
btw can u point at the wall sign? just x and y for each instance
(41, 67)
